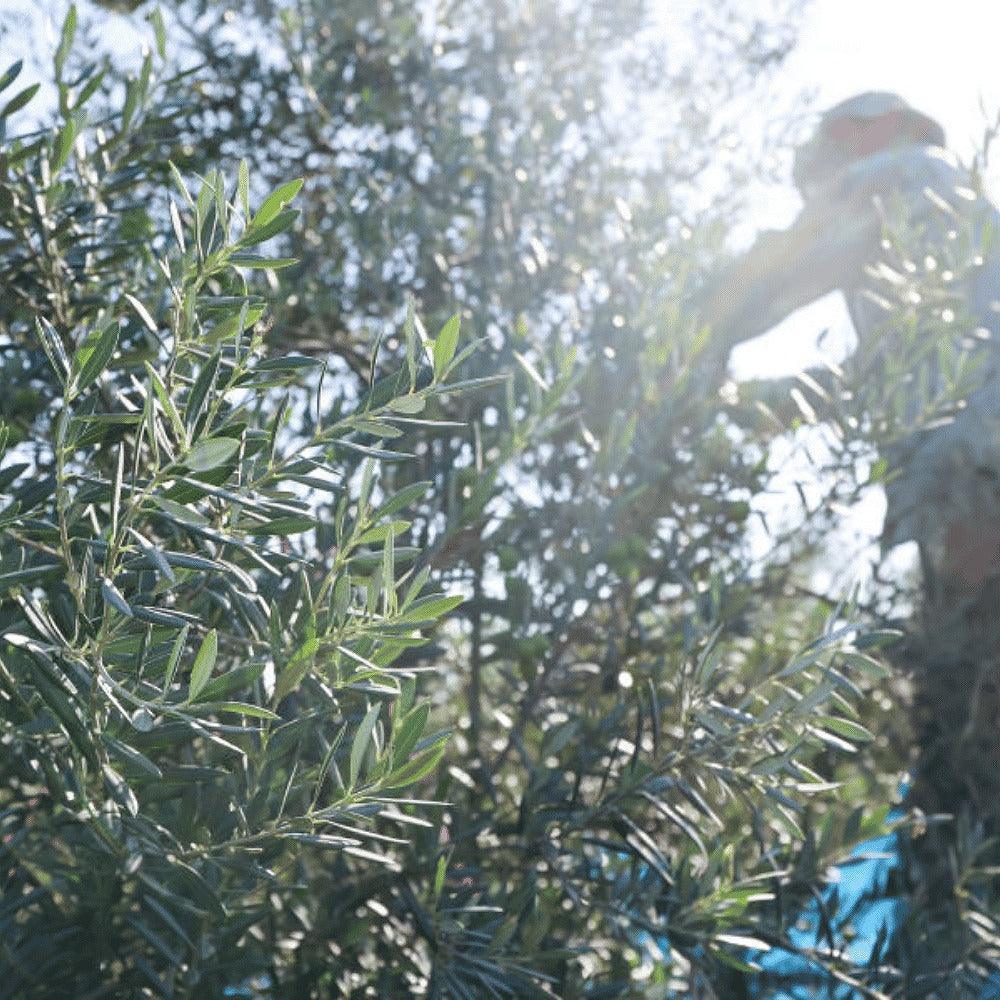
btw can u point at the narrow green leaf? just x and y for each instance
(407, 692)
(30, 574)
(341, 597)
(199, 391)
(11, 473)
(65, 40)
(153, 554)
(55, 698)
(175, 654)
(131, 102)
(439, 876)
(159, 31)
(532, 372)
(408, 732)
(197, 889)
(93, 355)
(412, 342)
(878, 638)
(131, 757)
(243, 188)
(210, 453)
(381, 859)
(53, 346)
(19, 100)
(181, 186)
(416, 768)
(178, 226)
(865, 664)
(405, 498)
(89, 89)
(252, 711)
(256, 261)
(382, 531)
(224, 686)
(288, 363)
(830, 739)
(389, 573)
(275, 203)
(469, 383)
(186, 515)
(743, 941)
(844, 727)
(11, 74)
(282, 526)
(163, 397)
(376, 428)
(431, 607)
(296, 669)
(204, 664)
(158, 616)
(362, 738)
(221, 205)
(416, 585)
(143, 313)
(258, 234)
(446, 345)
(206, 196)
(116, 496)
(409, 405)
(63, 145)
(113, 596)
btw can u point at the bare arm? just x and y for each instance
(825, 248)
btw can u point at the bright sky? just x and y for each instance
(940, 56)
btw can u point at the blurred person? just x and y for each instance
(870, 151)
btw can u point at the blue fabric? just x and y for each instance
(856, 895)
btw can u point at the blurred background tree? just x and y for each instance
(663, 735)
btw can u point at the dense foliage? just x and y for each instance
(244, 488)
(206, 594)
